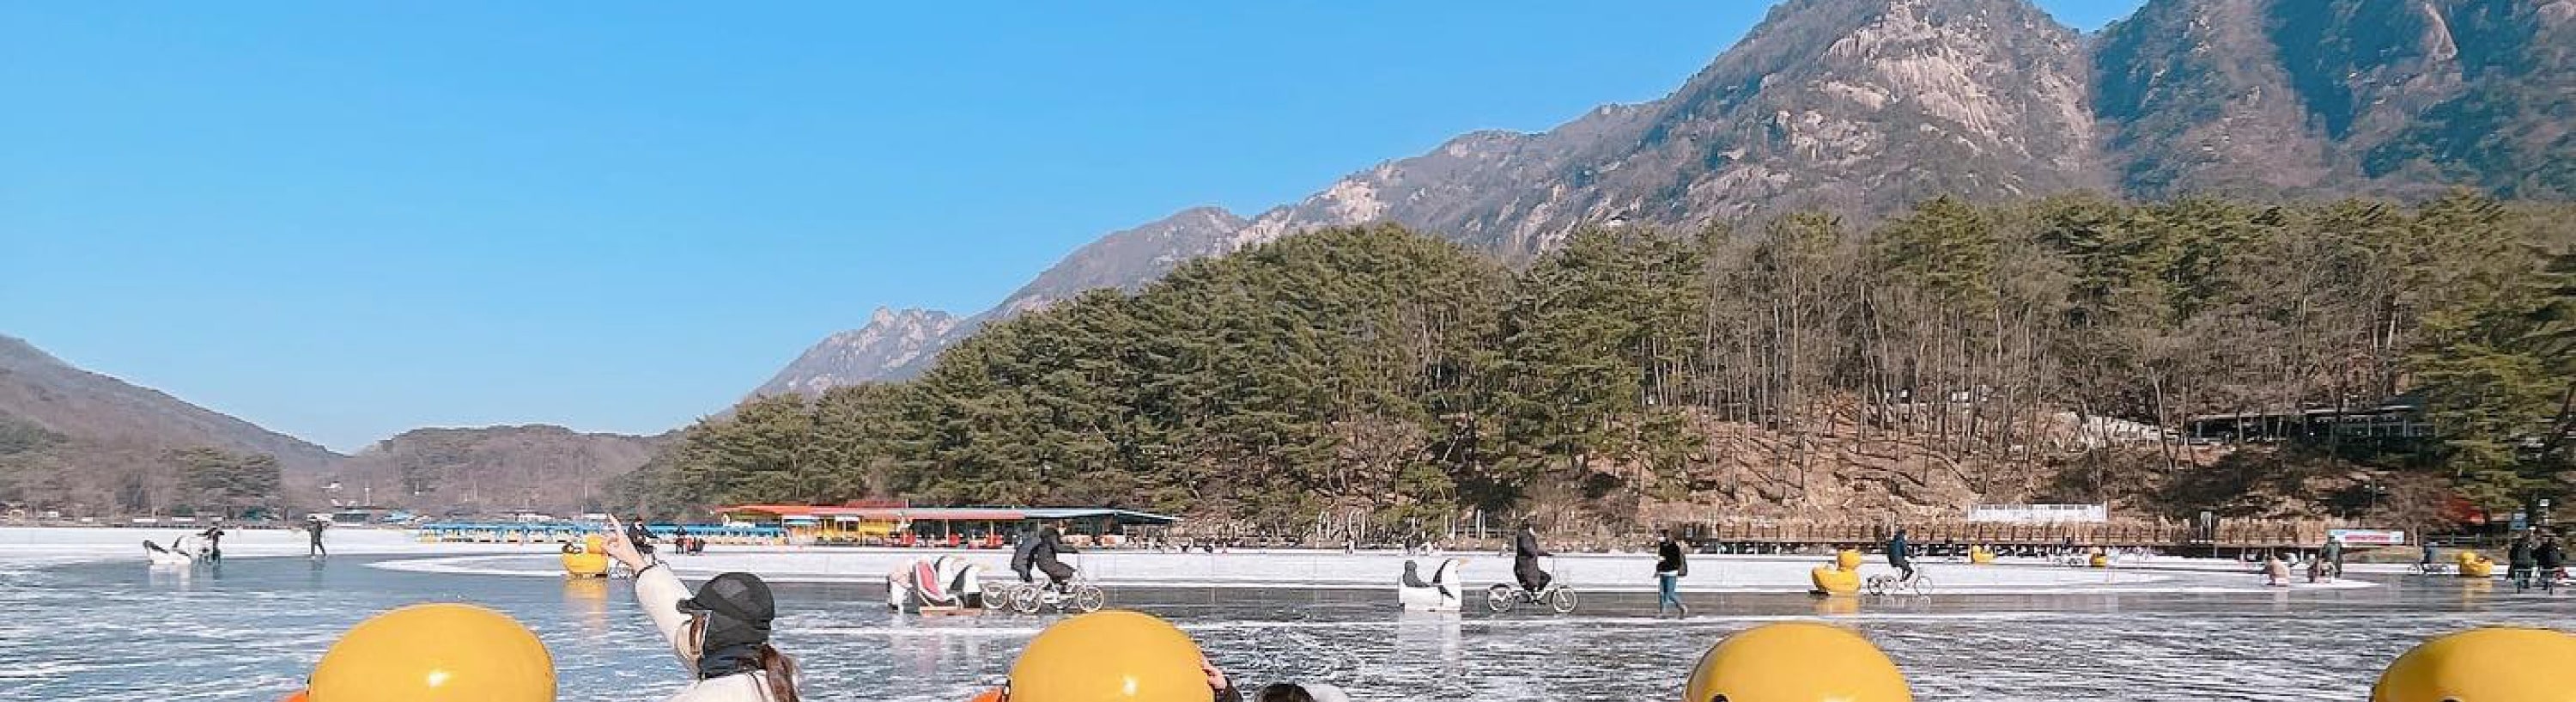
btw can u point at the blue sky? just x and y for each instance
(344, 220)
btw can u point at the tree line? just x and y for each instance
(42, 469)
(1989, 351)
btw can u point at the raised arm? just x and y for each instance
(657, 590)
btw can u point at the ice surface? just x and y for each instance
(91, 622)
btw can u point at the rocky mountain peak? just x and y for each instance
(1127, 258)
(2321, 97)
(893, 341)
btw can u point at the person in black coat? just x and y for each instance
(1023, 546)
(2518, 561)
(1042, 555)
(1525, 555)
(643, 537)
(1669, 569)
(214, 536)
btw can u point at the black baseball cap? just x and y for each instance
(739, 596)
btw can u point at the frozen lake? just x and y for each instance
(91, 622)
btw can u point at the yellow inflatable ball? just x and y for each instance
(1109, 656)
(1796, 662)
(2483, 665)
(436, 653)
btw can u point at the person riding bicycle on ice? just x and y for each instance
(1525, 555)
(1042, 548)
(1023, 544)
(1898, 555)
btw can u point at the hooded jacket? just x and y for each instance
(659, 593)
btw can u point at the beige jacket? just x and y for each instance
(659, 593)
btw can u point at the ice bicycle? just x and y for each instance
(1502, 597)
(1078, 595)
(1882, 585)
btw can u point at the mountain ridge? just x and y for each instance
(1860, 107)
(92, 443)
(41, 389)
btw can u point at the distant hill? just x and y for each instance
(40, 391)
(70, 438)
(545, 468)
(1862, 107)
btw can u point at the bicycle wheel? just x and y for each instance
(1499, 598)
(1921, 586)
(999, 596)
(1088, 599)
(1560, 600)
(1026, 600)
(1875, 586)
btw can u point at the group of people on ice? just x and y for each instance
(722, 634)
(207, 546)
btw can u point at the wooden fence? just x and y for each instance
(2229, 534)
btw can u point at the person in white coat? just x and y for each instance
(721, 633)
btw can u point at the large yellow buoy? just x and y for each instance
(436, 653)
(1109, 656)
(1796, 662)
(1980, 556)
(2099, 560)
(2483, 665)
(590, 560)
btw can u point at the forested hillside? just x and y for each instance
(1862, 107)
(1949, 355)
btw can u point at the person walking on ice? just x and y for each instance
(313, 529)
(1669, 569)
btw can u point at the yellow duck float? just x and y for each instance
(1840, 578)
(1978, 555)
(2474, 565)
(588, 559)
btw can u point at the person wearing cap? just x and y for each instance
(1292, 692)
(721, 632)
